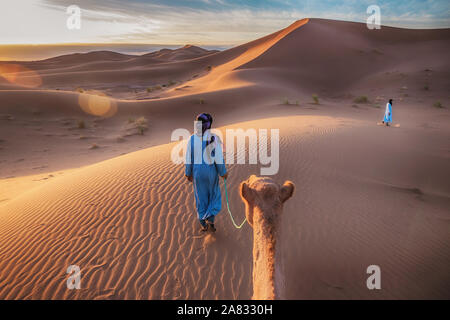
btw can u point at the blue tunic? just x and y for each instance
(388, 113)
(205, 175)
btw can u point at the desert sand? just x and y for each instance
(81, 186)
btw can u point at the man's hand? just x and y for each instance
(225, 176)
(189, 178)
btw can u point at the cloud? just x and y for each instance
(215, 22)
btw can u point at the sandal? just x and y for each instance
(211, 226)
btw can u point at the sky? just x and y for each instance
(197, 22)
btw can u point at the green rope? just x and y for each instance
(228, 207)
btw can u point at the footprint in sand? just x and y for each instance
(382, 124)
(208, 240)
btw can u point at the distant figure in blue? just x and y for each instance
(388, 113)
(204, 164)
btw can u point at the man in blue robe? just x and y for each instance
(204, 164)
(388, 113)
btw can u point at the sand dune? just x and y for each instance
(106, 69)
(365, 194)
(348, 53)
(183, 53)
(129, 223)
(88, 57)
(351, 56)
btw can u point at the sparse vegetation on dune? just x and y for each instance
(140, 124)
(209, 68)
(80, 90)
(202, 101)
(159, 87)
(81, 124)
(286, 102)
(361, 99)
(315, 98)
(426, 87)
(438, 104)
(154, 88)
(94, 146)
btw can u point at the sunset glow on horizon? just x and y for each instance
(216, 24)
(200, 22)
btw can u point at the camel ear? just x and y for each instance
(286, 191)
(245, 192)
(247, 196)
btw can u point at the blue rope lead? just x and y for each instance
(228, 207)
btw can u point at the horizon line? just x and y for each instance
(208, 44)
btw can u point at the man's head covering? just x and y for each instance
(390, 101)
(206, 120)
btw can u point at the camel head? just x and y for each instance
(266, 195)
